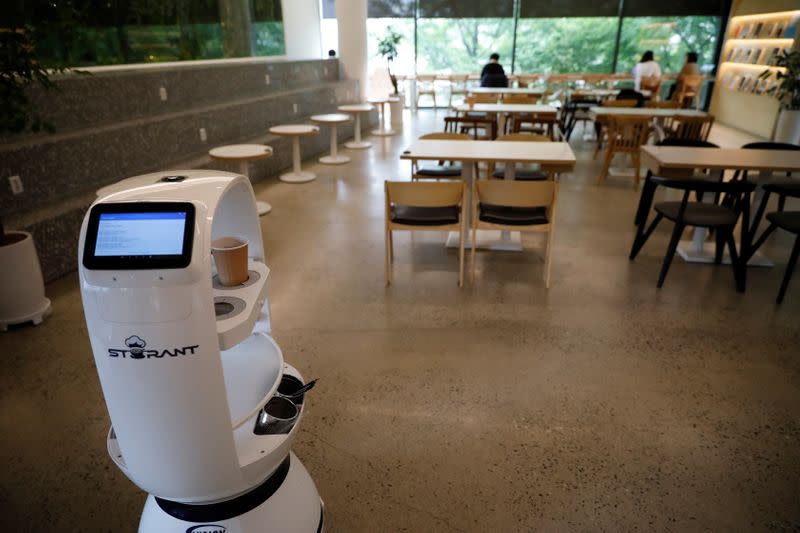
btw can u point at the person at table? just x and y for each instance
(493, 74)
(646, 68)
(690, 68)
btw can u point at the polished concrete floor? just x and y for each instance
(601, 404)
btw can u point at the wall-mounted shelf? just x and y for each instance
(753, 45)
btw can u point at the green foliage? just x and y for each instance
(558, 45)
(670, 38)
(462, 45)
(788, 89)
(387, 47)
(20, 69)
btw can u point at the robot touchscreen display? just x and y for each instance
(139, 236)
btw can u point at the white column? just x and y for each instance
(352, 18)
(301, 29)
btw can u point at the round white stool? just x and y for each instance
(295, 131)
(356, 110)
(382, 126)
(332, 120)
(244, 153)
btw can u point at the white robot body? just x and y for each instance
(186, 365)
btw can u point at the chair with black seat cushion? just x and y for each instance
(424, 206)
(785, 186)
(789, 221)
(631, 94)
(722, 216)
(445, 169)
(528, 206)
(577, 110)
(648, 189)
(521, 173)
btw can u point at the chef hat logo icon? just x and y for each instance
(136, 344)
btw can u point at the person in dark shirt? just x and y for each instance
(493, 74)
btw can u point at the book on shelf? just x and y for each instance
(757, 29)
(791, 29)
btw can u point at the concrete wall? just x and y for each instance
(114, 124)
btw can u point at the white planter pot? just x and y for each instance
(396, 105)
(22, 296)
(787, 128)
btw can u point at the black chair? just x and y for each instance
(631, 94)
(784, 187)
(720, 216)
(646, 199)
(577, 109)
(789, 221)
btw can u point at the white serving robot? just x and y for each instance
(186, 364)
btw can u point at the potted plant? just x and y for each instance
(22, 296)
(787, 91)
(387, 47)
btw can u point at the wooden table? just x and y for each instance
(676, 161)
(507, 90)
(295, 131)
(356, 110)
(333, 120)
(654, 112)
(243, 154)
(383, 128)
(553, 157)
(605, 93)
(544, 111)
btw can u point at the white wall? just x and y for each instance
(301, 29)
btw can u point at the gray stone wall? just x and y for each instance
(115, 124)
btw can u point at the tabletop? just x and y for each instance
(355, 108)
(664, 158)
(294, 129)
(378, 100)
(508, 108)
(332, 118)
(506, 90)
(241, 151)
(606, 92)
(546, 153)
(645, 112)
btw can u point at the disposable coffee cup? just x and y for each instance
(230, 256)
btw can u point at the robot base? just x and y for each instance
(287, 502)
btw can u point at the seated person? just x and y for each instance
(646, 68)
(493, 74)
(690, 68)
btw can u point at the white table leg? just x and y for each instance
(357, 143)
(334, 158)
(297, 175)
(382, 129)
(262, 207)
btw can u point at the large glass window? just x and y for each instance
(564, 45)
(107, 32)
(402, 65)
(462, 45)
(670, 38)
(552, 36)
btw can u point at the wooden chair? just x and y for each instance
(788, 221)
(601, 126)
(444, 170)
(690, 128)
(520, 99)
(652, 84)
(515, 206)
(688, 90)
(472, 123)
(625, 135)
(426, 85)
(419, 206)
(458, 86)
(664, 104)
(521, 173)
